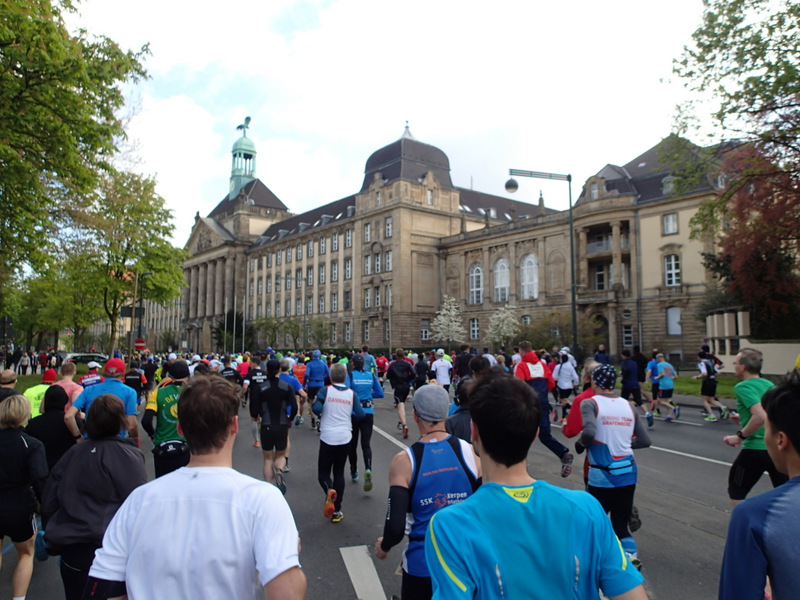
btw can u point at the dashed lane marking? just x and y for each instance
(362, 572)
(390, 437)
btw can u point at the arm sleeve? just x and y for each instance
(147, 422)
(445, 557)
(395, 524)
(358, 411)
(574, 423)
(641, 437)
(37, 465)
(377, 388)
(744, 564)
(588, 415)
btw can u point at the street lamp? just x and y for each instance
(511, 187)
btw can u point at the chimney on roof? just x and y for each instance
(541, 203)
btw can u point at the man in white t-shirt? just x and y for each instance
(205, 530)
(442, 369)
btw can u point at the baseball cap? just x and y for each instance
(605, 377)
(8, 376)
(214, 364)
(440, 352)
(565, 349)
(316, 354)
(93, 365)
(114, 367)
(172, 356)
(179, 370)
(196, 358)
(432, 403)
(49, 376)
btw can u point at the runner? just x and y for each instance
(170, 450)
(708, 389)
(367, 388)
(299, 397)
(275, 402)
(442, 368)
(666, 386)
(400, 375)
(630, 385)
(317, 375)
(250, 389)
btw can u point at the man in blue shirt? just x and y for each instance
(763, 531)
(630, 384)
(366, 386)
(516, 533)
(114, 372)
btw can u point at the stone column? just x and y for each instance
(210, 286)
(616, 251)
(219, 283)
(633, 284)
(201, 290)
(513, 275)
(582, 258)
(228, 293)
(192, 299)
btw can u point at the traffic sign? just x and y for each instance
(140, 344)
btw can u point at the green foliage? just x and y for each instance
(446, 325)
(555, 329)
(320, 332)
(293, 327)
(228, 331)
(503, 326)
(270, 327)
(59, 94)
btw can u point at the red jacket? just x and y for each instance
(540, 371)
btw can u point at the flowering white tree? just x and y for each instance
(503, 325)
(446, 326)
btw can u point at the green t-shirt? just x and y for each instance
(165, 405)
(748, 393)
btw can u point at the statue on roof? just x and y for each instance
(244, 126)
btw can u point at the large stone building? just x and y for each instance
(374, 266)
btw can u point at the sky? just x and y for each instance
(563, 87)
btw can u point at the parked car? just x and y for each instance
(86, 357)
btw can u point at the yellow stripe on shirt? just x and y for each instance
(446, 568)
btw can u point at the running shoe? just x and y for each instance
(286, 467)
(668, 419)
(656, 412)
(649, 417)
(703, 412)
(566, 464)
(257, 444)
(279, 483)
(635, 561)
(400, 425)
(724, 413)
(329, 510)
(677, 410)
(298, 420)
(710, 418)
(40, 547)
(354, 476)
(563, 420)
(652, 405)
(367, 480)
(634, 521)
(313, 423)
(405, 432)
(337, 516)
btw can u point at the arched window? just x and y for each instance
(475, 284)
(501, 280)
(672, 270)
(674, 323)
(529, 277)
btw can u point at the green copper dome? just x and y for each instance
(244, 145)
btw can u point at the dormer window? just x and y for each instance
(594, 191)
(377, 198)
(430, 196)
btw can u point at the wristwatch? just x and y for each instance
(77, 437)
(740, 435)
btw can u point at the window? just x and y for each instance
(334, 302)
(669, 224)
(365, 334)
(529, 277)
(627, 336)
(277, 309)
(269, 284)
(310, 250)
(260, 287)
(594, 191)
(388, 264)
(278, 257)
(252, 264)
(299, 251)
(672, 270)
(367, 233)
(321, 306)
(429, 196)
(348, 299)
(366, 297)
(377, 198)
(348, 238)
(387, 227)
(347, 332)
(348, 268)
(250, 312)
(309, 305)
(310, 276)
(474, 329)
(258, 311)
(288, 255)
(251, 289)
(377, 296)
(288, 281)
(334, 271)
(287, 339)
(269, 259)
(475, 285)
(674, 323)
(335, 242)
(377, 263)
(277, 283)
(425, 329)
(269, 310)
(322, 245)
(288, 307)
(298, 306)
(367, 265)
(333, 333)
(298, 278)
(501, 280)
(600, 278)
(322, 274)
(526, 320)
(388, 295)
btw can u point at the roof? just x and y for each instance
(244, 144)
(335, 211)
(408, 159)
(500, 209)
(256, 192)
(226, 235)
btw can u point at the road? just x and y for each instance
(681, 498)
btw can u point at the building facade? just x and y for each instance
(372, 267)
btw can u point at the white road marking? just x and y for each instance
(390, 437)
(362, 572)
(687, 455)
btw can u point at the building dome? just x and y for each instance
(244, 145)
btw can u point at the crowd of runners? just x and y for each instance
(69, 449)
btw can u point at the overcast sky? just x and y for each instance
(565, 87)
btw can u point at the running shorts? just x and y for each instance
(19, 525)
(274, 438)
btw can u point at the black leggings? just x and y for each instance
(416, 588)
(364, 427)
(76, 559)
(618, 503)
(332, 458)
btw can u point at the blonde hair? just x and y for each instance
(15, 412)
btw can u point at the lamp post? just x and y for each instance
(511, 187)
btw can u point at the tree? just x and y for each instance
(270, 327)
(555, 328)
(294, 329)
(59, 94)
(229, 330)
(503, 326)
(125, 232)
(320, 332)
(446, 325)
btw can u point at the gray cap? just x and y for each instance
(432, 403)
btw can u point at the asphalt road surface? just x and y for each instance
(681, 496)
